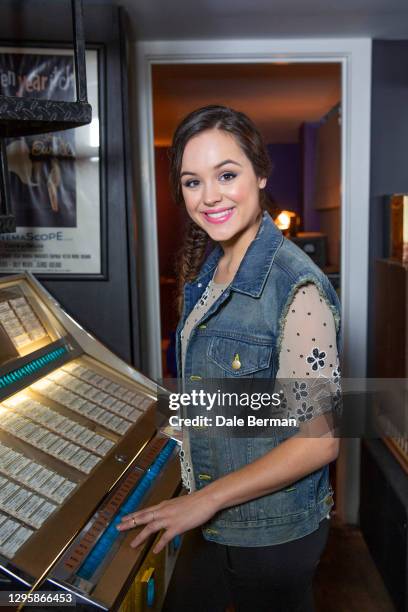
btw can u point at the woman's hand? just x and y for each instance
(175, 516)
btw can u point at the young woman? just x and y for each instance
(256, 306)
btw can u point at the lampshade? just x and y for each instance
(288, 222)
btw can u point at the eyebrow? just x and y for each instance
(226, 161)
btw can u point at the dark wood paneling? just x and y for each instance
(389, 137)
(390, 319)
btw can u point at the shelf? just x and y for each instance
(25, 116)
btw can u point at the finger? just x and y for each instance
(134, 522)
(140, 513)
(164, 540)
(128, 525)
(145, 533)
(124, 526)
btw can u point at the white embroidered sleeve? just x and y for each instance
(309, 357)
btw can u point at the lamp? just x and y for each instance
(288, 222)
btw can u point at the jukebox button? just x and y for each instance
(175, 543)
(151, 592)
(150, 586)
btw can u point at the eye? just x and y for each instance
(190, 183)
(227, 176)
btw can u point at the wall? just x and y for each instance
(389, 138)
(284, 187)
(308, 136)
(328, 181)
(383, 482)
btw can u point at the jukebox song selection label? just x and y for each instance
(29, 491)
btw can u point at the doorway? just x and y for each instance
(354, 56)
(297, 109)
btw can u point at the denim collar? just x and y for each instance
(257, 261)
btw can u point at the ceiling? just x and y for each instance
(278, 97)
(200, 19)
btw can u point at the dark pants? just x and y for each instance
(208, 577)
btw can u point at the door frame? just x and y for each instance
(354, 55)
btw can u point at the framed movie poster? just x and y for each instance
(55, 178)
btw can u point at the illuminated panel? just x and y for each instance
(82, 402)
(104, 530)
(71, 430)
(32, 367)
(47, 441)
(126, 399)
(20, 322)
(29, 494)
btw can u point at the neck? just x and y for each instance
(235, 249)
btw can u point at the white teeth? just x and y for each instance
(223, 213)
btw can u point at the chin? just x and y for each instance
(221, 233)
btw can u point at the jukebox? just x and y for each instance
(79, 448)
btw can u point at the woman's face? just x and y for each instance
(219, 185)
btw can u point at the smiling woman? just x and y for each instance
(216, 170)
(255, 307)
(223, 194)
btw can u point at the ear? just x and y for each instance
(262, 183)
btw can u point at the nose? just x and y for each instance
(212, 193)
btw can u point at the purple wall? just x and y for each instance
(309, 131)
(284, 184)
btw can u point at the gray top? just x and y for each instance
(210, 295)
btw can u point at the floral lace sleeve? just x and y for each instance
(309, 358)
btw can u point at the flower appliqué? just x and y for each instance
(338, 403)
(305, 412)
(316, 359)
(300, 390)
(281, 409)
(283, 402)
(336, 375)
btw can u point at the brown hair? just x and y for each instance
(237, 124)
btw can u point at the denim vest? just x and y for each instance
(248, 319)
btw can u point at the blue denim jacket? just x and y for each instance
(248, 319)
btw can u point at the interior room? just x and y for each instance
(298, 110)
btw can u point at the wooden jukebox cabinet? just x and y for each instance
(79, 448)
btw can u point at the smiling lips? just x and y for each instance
(220, 215)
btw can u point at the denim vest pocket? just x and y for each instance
(238, 357)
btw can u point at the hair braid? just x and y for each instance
(190, 258)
